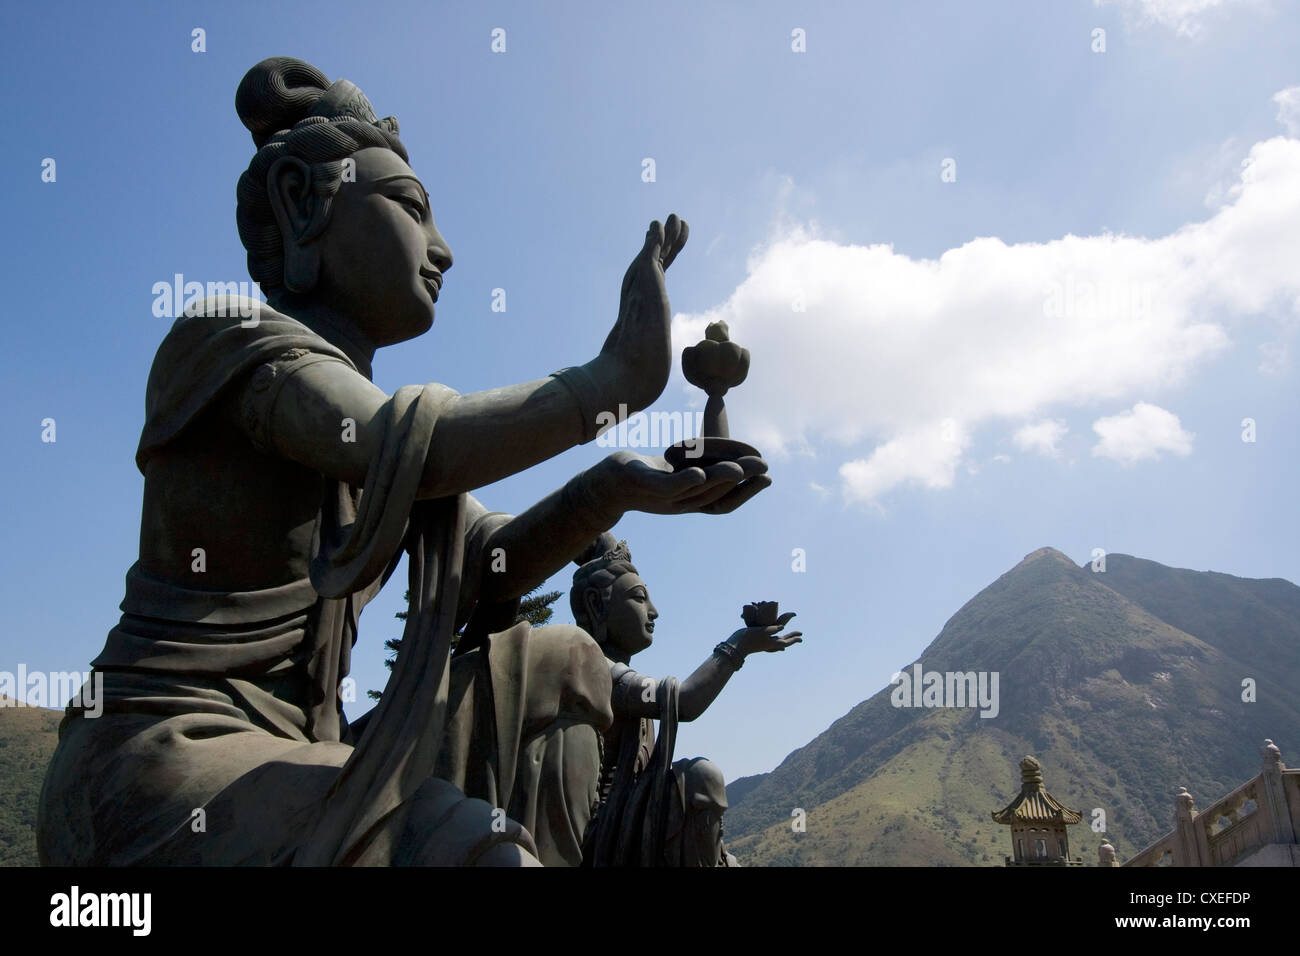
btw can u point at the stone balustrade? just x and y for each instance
(1256, 824)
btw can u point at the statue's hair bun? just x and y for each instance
(276, 94)
(604, 543)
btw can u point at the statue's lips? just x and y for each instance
(433, 285)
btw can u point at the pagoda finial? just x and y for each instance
(1031, 775)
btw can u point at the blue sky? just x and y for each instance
(943, 381)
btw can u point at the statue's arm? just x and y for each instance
(543, 539)
(703, 687)
(486, 436)
(637, 696)
(318, 411)
(325, 415)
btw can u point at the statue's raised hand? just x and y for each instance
(626, 481)
(639, 347)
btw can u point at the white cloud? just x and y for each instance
(927, 457)
(1219, 165)
(1042, 437)
(1140, 434)
(1185, 17)
(855, 344)
(1288, 109)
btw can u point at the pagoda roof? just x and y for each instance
(1034, 804)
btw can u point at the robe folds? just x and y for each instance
(223, 739)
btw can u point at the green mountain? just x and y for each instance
(27, 739)
(1126, 684)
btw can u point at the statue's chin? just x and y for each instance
(631, 646)
(410, 330)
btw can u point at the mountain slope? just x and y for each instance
(1121, 706)
(27, 739)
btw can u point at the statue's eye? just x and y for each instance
(414, 206)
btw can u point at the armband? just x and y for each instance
(585, 395)
(258, 398)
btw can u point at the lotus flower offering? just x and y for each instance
(716, 364)
(761, 613)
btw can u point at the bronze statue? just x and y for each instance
(281, 486)
(653, 811)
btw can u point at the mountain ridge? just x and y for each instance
(1121, 705)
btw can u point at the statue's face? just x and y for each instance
(382, 257)
(629, 617)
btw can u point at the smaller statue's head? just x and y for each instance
(329, 209)
(610, 601)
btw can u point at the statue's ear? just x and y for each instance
(300, 215)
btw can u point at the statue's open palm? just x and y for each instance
(632, 482)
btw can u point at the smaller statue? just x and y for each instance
(654, 811)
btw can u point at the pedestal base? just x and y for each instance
(709, 450)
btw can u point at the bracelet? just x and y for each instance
(730, 654)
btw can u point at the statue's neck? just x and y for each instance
(617, 655)
(333, 328)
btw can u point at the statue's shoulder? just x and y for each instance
(206, 352)
(231, 325)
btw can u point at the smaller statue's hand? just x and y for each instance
(627, 481)
(754, 640)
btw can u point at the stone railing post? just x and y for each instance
(1272, 797)
(1106, 854)
(1190, 844)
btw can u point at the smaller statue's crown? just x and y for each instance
(620, 552)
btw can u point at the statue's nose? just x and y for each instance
(440, 252)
